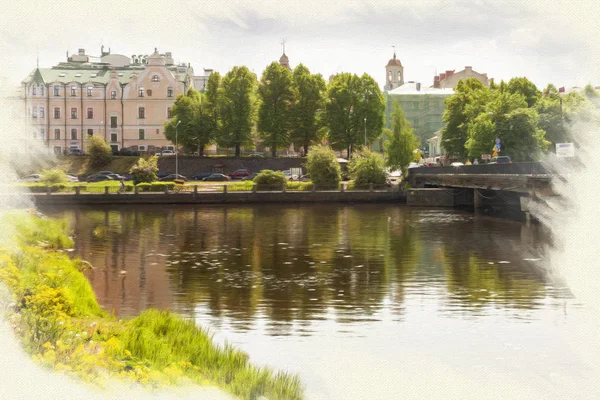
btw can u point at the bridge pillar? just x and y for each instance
(477, 200)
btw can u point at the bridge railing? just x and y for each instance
(524, 168)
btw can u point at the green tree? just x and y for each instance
(196, 129)
(525, 87)
(351, 99)
(323, 167)
(54, 175)
(309, 104)
(276, 95)
(238, 108)
(465, 104)
(270, 177)
(591, 93)
(367, 167)
(144, 170)
(99, 151)
(213, 96)
(399, 148)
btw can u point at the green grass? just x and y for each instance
(63, 326)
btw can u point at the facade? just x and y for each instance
(124, 100)
(449, 79)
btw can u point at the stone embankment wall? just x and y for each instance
(189, 166)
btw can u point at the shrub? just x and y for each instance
(155, 186)
(54, 176)
(323, 168)
(145, 170)
(270, 177)
(367, 167)
(99, 151)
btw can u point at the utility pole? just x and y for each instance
(176, 151)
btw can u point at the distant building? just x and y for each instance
(449, 79)
(394, 74)
(125, 100)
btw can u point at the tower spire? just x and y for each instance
(283, 45)
(394, 47)
(37, 51)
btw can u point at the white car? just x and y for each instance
(166, 153)
(33, 178)
(413, 165)
(72, 178)
(457, 164)
(290, 177)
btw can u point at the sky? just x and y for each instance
(551, 41)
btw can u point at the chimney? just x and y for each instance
(561, 90)
(436, 81)
(418, 86)
(442, 76)
(82, 52)
(468, 68)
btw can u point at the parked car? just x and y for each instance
(172, 177)
(161, 174)
(305, 178)
(290, 177)
(33, 178)
(166, 153)
(75, 152)
(216, 178)
(500, 160)
(104, 173)
(239, 173)
(201, 175)
(128, 152)
(250, 177)
(127, 177)
(73, 178)
(99, 178)
(457, 164)
(116, 177)
(413, 165)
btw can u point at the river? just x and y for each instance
(372, 301)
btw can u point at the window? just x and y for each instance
(113, 94)
(57, 134)
(57, 150)
(34, 115)
(169, 113)
(149, 91)
(90, 132)
(42, 113)
(56, 113)
(155, 78)
(141, 134)
(74, 113)
(34, 134)
(57, 90)
(41, 90)
(113, 122)
(42, 133)
(142, 112)
(113, 137)
(170, 92)
(141, 92)
(89, 91)
(90, 113)
(73, 90)
(74, 134)
(142, 148)
(33, 90)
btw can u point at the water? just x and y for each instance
(363, 301)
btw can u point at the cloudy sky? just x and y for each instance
(547, 41)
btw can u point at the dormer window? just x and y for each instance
(41, 90)
(155, 78)
(89, 91)
(73, 90)
(170, 92)
(113, 94)
(33, 91)
(141, 92)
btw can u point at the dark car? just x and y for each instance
(239, 173)
(162, 174)
(75, 152)
(250, 177)
(500, 160)
(128, 152)
(216, 178)
(127, 177)
(201, 176)
(99, 178)
(116, 177)
(105, 173)
(172, 177)
(305, 178)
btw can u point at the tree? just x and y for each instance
(399, 148)
(351, 99)
(196, 128)
(276, 95)
(367, 167)
(238, 108)
(465, 104)
(52, 176)
(525, 87)
(309, 103)
(145, 170)
(99, 151)
(270, 177)
(323, 167)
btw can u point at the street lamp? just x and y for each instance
(365, 131)
(176, 151)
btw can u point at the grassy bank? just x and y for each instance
(61, 324)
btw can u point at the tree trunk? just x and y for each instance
(305, 149)
(237, 150)
(273, 151)
(201, 150)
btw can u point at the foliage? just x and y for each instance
(367, 167)
(323, 167)
(63, 326)
(399, 148)
(192, 124)
(99, 151)
(351, 99)
(145, 170)
(308, 107)
(237, 108)
(270, 177)
(526, 88)
(275, 91)
(53, 176)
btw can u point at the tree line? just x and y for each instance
(283, 108)
(527, 121)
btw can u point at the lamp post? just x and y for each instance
(176, 151)
(365, 131)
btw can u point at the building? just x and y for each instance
(449, 79)
(394, 74)
(125, 100)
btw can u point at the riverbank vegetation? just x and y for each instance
(62, 325)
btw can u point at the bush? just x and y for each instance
(155, 186)
(323, 168)
(99, 151)
(52, 176)
(145, 170)
(367, 167)
(270, 177)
